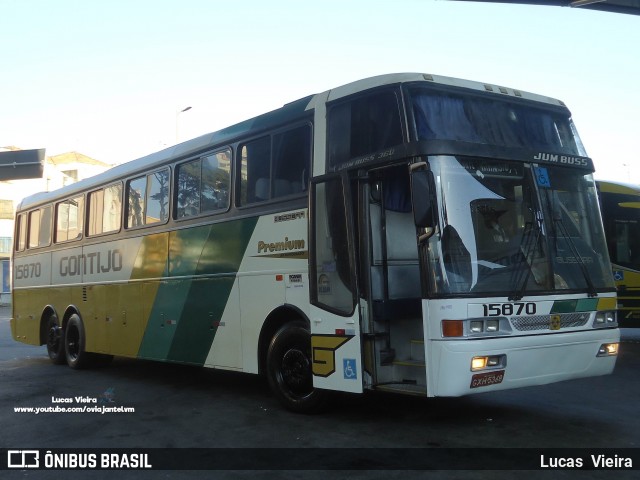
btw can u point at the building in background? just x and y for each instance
(59, 170)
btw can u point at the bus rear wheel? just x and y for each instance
(55, 340)
(289, 370)
(74, 343)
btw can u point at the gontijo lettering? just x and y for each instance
(91, 263)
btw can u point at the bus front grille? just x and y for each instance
(543, 322)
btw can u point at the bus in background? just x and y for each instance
(620, 204)
(408, 232)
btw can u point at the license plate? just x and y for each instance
(486, 379)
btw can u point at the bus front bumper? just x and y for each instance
(522, 361)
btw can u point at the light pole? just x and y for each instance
(177, 117)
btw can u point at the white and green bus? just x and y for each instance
(408, 232)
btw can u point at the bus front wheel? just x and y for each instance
(289, 369)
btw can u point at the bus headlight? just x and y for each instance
(493, 325)
(605, 319)
(478, 363)
(488, 362)
(476, 326)
(608, 350)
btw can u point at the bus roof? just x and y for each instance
(394, 78)
(290, 111)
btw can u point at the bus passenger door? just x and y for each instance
(391, 283)
(335, 319)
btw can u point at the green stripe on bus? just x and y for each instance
(576, 305)
(183, 321)
(564, 306)
(587, 305)
(197, 326)
(163, 319)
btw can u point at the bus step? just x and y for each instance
(409, 363)
(374, 335)
(406, 388)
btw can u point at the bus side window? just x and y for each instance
(255, 161)
(105, 210)
(216, 178)
(188, 189)
(157, 201)
(95, 212)
(68, 220)
(21, 237)
(148, 199)
(203, 184)
(291, 161)
(40, 227)
(275, 166)
(34, 228)
(363, 125)
(136, 194)
(76, 216)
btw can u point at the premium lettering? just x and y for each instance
(280, 246)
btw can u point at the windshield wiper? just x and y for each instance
(527, 247)
(583, 267)
(559, 226)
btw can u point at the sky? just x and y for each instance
(109, 79)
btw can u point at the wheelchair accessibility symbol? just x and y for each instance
(542, 177)
(349, 369)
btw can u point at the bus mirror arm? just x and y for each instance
(425, 234)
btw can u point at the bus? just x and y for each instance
(409, 233)
(620, 204)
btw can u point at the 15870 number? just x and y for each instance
(28, 270)
(508, 309)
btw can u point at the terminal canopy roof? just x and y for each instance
(631, 7)
(21, 164)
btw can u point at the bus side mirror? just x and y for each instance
(422, 198)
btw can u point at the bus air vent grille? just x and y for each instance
(541, 322)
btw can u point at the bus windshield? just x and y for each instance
(510, 227)
(492, 121)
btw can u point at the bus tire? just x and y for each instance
(289, 370)
(74, 344)
(55, 340)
